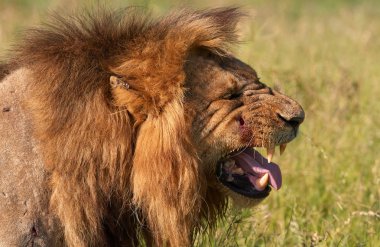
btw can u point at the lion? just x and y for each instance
(118, 128)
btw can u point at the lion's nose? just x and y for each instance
(292, 113)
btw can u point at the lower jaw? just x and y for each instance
(248, 193)
(238, 200)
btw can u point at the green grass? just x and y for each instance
(326, 54)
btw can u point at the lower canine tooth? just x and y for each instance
(282, 148)
(261, 183)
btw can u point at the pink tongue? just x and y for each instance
(254, 163)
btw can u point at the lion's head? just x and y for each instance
(152, 121)
(232, 112)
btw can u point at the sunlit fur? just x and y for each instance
(122, 162)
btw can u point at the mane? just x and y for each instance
(73, 56)
(132, 148)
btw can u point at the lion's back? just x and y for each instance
(24, 217)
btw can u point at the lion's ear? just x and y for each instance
(165, 180)
(132, 100)
(118, 83)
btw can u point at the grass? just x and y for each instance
(326, 55)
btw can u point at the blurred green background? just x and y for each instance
(325, 54)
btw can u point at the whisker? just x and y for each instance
(241, 151)
(117, 112)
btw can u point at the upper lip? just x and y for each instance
(269, 148)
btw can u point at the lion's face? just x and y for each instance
(232, 112)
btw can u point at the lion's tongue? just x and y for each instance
(256, 165)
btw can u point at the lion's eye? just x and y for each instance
(232, 95)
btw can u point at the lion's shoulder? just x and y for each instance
(24, 194)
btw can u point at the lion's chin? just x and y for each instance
(239, 200)
(247, 177)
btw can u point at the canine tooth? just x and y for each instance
(262, 182)
(282, 148)
(270, 152)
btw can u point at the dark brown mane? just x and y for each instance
(96, 144)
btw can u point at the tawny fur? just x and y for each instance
(122, 164)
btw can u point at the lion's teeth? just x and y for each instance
(230, 178)
(282, 148)
(261, 183)
(238, 171)
(229, 164)
(270, 152)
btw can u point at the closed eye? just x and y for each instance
(232, 96)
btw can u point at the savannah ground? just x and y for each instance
(325, 54)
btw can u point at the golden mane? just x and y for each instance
(119, 160)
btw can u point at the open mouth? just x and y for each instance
(248, 173)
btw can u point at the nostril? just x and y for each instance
(294, 121)
(282, 118)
